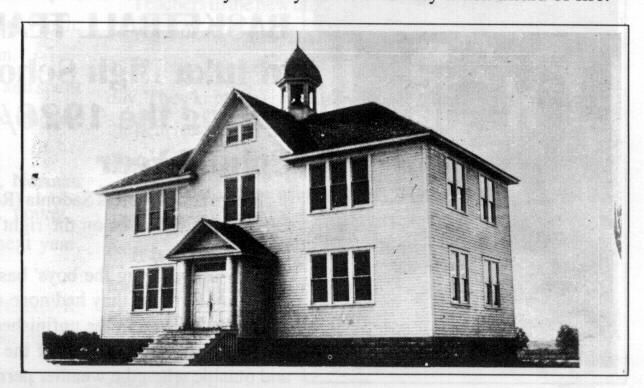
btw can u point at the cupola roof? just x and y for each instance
(300, 66)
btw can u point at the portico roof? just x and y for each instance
(210, 238)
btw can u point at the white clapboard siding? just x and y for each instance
(409, 281)
(468, 232)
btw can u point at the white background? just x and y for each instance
(409, 11)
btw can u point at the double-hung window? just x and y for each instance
(455, 185)
(339, 183)
(488, 208)
(317, 177)
(341, 277)
(459, 274)
(153, 288)
(240, 133)
(239, 198)
(492, 286)
(155, 210)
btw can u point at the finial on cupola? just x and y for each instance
(299, 83)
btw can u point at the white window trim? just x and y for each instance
(456, 209)
(494, 184)
(461, 301)
(350, 273)
(147, 192)
(239, 198)
(239, 133)
(145, 269)
(349, 180)
(498, 279)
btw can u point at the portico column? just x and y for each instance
(181, 288)
(229, 319)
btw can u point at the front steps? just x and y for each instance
(188, 347)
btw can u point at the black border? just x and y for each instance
(22, 186)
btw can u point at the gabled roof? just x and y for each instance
(356, 126)
(282, 123)
(338, 130)
(167, 169)
(210, 238)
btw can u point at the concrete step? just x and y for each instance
(185, 336)
(195, 332)
(170, 351)
(175, 341)
(176, 346)
(160, 362)
(165, 357)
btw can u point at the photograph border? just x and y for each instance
(428, 373)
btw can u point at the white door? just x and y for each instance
(208, 298)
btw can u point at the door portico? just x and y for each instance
(212, 256)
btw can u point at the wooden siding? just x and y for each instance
(408, 225)
(123, 252)
(254, 292)
(395, 226)
(396, 229)
(283, 225)
(450, 228)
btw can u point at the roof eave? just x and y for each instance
(322, 153)
(262, 119)
(203, 255)
(204, 138)
(159, 182)
(283, 80)
(509, 178)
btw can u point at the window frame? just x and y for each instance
(159, 308)
(348, 182)
(486, 262)
(461, 299)
(350, 276)
(239, 178)
(161, 229)
(463, 204)
(238, 126)
(492, 219)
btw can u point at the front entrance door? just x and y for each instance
(208, 298)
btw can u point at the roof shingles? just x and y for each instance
(354, 125)
(337, 128)
(164, 170)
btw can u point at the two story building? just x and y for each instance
(353, 236)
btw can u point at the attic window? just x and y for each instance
(247, 132)
(240, 133)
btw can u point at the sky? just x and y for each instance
(102, 102)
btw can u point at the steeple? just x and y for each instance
(299, 83)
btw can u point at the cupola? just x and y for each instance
(299, 83)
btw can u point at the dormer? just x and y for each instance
(299, 83)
